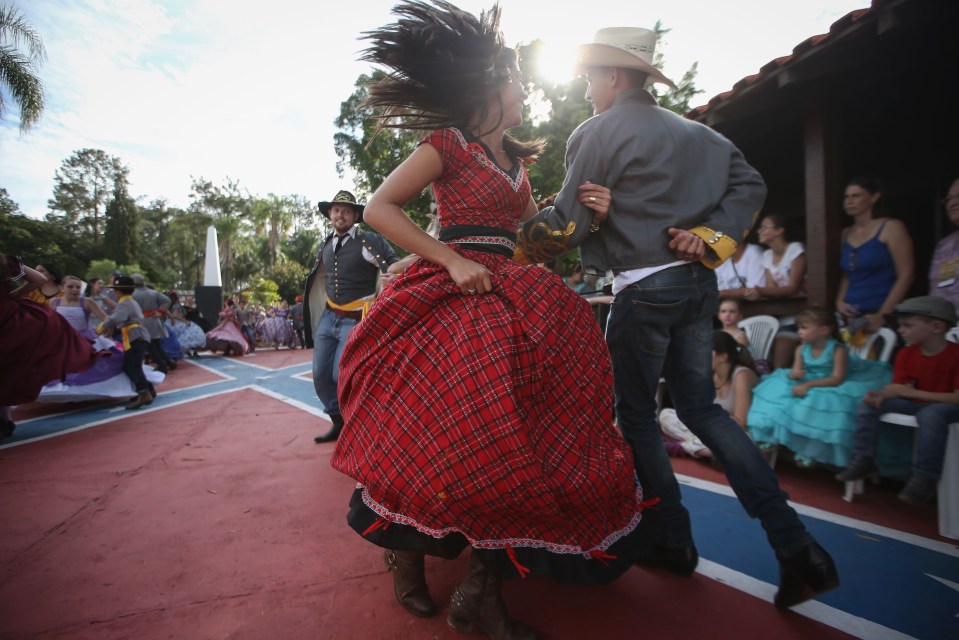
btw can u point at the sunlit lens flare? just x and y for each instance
(554, 64)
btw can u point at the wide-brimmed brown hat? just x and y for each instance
(342, 197)
(624, 47)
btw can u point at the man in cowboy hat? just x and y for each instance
(683, 197)
(339, 290)
(127, 317)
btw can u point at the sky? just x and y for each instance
(248, 90)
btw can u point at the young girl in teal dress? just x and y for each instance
(811, 408)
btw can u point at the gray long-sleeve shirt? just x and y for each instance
(663, 171)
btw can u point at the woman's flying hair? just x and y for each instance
(440, 64)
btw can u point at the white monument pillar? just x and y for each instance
(211, 268)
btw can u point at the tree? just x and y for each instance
(18, 69)
(82, 185)
(372, 154)
(121, 238)
(35, 240)
(676, 100)
(229, 210)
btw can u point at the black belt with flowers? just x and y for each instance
(480, 238)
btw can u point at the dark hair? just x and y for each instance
(867, 182)
(54, 271)
(737, 354)
(441, 65)
(89, 289)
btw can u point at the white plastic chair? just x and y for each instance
(889, 341)
(760, 330)
(953, 334)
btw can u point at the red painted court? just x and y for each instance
(216, 516)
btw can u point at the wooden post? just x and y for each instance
(823, 168)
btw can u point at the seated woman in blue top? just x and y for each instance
(876, 261)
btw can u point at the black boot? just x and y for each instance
(478, 601)
(409, 582)
(143, 399)
(334, 432)
(805, 575)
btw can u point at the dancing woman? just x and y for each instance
(459, 427)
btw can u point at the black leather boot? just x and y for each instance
(805, 575)
(478, 601)
(334, 432)
(409, 582)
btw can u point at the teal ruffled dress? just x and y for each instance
(820, 426)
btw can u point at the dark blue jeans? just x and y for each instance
(133, 365)
(934, 419)
(662, 326)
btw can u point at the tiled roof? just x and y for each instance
(809, 46)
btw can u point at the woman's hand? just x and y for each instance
(471, 277)
(797, 374)
(874, 322)
(847, 310)
(595, 197)
(751, 294)
(800, 390)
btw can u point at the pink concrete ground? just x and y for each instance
(222, 519)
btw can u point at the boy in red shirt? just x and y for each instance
(925, 384)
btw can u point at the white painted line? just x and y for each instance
(835, 518)
(290, 401)
(122, 416)
(812, 609)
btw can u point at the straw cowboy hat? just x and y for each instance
(624, 47)
(342, 197)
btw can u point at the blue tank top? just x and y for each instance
(871, 273)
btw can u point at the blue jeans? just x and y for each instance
(328, 343)
(934, 420)
(662, 326)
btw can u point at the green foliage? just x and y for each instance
(82, 185)
(121, 236)
(676, 100)
(102, 269)
(263, 291)
(290, 278)
(372, 155)
(19, 69)
(35, 240)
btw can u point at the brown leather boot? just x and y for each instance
(143, 399)
(478, 601)
(409, 582)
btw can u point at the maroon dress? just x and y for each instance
(37, 344)
(487, 420)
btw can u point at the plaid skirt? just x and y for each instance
(486, 420)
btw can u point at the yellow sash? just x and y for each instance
(356, 305)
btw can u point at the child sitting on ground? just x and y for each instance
(729, 314)
(811, 408)
(925, 384)
(734, 376)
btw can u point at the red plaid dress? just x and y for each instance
(488, 416)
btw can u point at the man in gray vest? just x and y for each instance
(154, 305)
(339, 290)
(683, 198)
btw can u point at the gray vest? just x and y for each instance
(349, 276)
